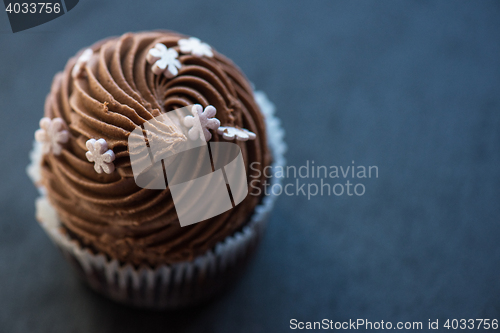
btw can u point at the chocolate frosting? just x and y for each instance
(109, 213)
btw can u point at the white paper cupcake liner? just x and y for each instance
(175, 285)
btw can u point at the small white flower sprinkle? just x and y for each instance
(52, 135)
(196, 47)
(100, 155)
(164, 60)
(201, 121)
(240, 134)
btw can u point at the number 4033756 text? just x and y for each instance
(33, 8)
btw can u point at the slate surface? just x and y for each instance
(412, 87)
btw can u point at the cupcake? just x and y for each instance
(150, 162)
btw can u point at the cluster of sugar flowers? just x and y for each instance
(53, 134)
(203, 120)
(165, 60)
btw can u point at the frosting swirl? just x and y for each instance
(115, 93)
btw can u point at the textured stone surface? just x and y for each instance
(412, 87)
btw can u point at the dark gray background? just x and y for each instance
(410, 86)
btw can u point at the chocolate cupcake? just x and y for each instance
(128, 125)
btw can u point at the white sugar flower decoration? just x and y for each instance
(201, 121)
(100, 155)
(52, 135)
(195, 46)
(164, 60)
(241, 134)
(81, 63)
